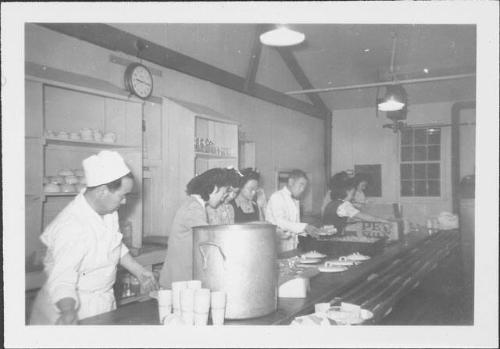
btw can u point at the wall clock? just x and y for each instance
(139, 80)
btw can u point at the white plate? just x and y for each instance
(313, 255)
(334, 269)
(342, 263)
(357, 257)
(309, 260)
(344, 317)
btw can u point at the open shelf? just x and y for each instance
(212, 156)
(84, 143)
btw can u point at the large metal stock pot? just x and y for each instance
(240, 259)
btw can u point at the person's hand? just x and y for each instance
(260, 198)
(283, 234)
(68, 317)
(147, 280)
(312, 231)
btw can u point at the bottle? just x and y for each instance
(135, 286)
(126, 286)
(429, 226)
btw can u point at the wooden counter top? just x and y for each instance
(375, 284)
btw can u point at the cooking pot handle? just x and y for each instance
(204, 256)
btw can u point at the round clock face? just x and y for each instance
(139, 80)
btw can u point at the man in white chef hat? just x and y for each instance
(84, 246)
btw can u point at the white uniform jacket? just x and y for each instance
(284, 211)
(83, 250)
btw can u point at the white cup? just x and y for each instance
(177, 286)
(164, 304)
(201, 306)
(194, 284)
(321, 307)
(187, 305)
(218, 307)
(109, 137)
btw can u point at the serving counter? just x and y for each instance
(376, 284)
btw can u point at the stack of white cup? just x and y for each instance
(218, 307)
(192, 303)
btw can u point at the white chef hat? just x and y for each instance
(104, 167)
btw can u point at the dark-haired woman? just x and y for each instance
(246, 209)
(361, 181)
(209, 188)
(335, 180)
(340, 209)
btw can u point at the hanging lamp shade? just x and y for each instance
(282, 36)
(395, 99)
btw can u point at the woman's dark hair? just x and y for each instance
(339, 191)
(248, 175)
(205, 183)
(362, 177)
(114, 185)
(337, 179)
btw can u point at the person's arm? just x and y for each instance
(366, 217)
(68, 248)
(261, 203)
(145, 277)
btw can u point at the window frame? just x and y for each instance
(441, 162)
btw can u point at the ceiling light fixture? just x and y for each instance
(282, 36)
(395, 99)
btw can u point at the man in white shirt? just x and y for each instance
(283, 210)
(84, 246)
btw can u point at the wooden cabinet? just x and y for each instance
(183, 122)
(51, 107)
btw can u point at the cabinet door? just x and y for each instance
(33, 104)
(178, 147)
(33, 229)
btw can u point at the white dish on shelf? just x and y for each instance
(74, 136)
(71, 179)
(56, 179)
(51, 188)
(63, 135)
(68, 188)
(78, 172)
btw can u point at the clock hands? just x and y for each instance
(142, 81)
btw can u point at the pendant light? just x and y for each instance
(395, 96)
(395, 99)
(282, 36)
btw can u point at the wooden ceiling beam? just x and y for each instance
(253, 65)
(114, 39)
(297, 71)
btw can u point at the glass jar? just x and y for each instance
(135, 286)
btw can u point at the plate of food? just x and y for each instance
(340, 262)
(312, 255)
(356, 256)
(349, 314)
(309, 260)
(332, 268)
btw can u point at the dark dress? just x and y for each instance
(330, 216)
(242, 217)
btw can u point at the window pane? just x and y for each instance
(420, 153)
(406, 171)
(433, 171)
(421, 136)
(434, 188)
(419, 171)
(406, 188)
(407, 137)
(433, 152)
(434, 135)
(406, 154)
(420, 188)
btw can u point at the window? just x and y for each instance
(420, 167)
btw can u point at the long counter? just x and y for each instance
(376, 284)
